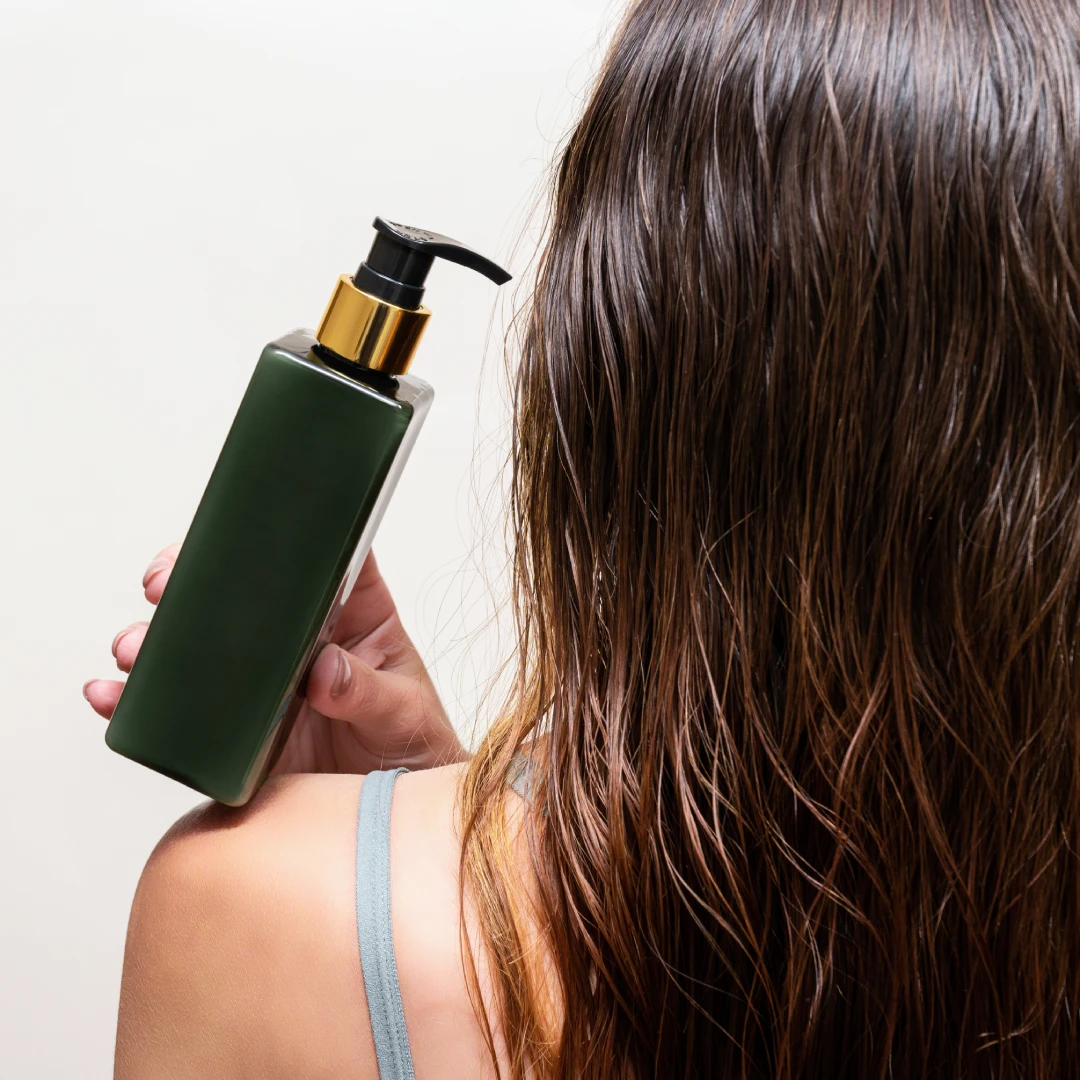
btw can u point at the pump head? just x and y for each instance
(401, 256)
(375, 318)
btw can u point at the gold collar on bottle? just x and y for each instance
(369, 331)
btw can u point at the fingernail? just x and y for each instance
(154, 569)
(120, 637)
(84, 686)
(342, 675)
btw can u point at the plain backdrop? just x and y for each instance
(181, 182)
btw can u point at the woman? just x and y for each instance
(798, 580)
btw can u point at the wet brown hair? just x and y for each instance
(797, 515)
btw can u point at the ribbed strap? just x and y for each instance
(374, 927)
(519, 775)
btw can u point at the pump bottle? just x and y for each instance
(288, 516)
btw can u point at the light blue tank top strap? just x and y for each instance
(519, 775)
(374, 926)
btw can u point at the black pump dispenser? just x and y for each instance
(401, 256)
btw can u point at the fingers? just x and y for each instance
(103, 694)
(126, 644)
(157, 573)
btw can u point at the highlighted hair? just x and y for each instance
(797, 514)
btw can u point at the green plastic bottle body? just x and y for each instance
(280, 534)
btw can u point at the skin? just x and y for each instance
(241, 957)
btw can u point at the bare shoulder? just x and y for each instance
(242, 957)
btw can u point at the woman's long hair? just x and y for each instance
(797, 514)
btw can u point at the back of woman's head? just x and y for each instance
(798, 513)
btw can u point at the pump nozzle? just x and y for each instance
(401, 256)
(374, 318)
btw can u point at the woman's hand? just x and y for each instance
(370, 701)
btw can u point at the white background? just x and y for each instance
(181, 182)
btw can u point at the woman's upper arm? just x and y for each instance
(241, 956)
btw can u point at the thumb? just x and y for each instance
(343, 687)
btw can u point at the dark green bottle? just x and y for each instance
(282, 530)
